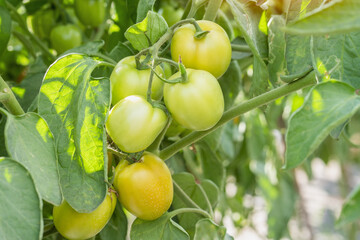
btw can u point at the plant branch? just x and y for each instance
(155, 146)
(207, 199)
(241, 48)
(242, 108)
(10, 103)
(211, 9)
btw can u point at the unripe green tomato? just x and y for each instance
(211, 53)
(90, 12)
(196, 104)
(43, 22)
(65, 37)
(75, 225)
(172, 15)
(133, 124)
(126, 80)
(145, 188)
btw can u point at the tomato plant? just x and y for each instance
(197, 103)
(90, 12)
(211, 52)
(65, 37)
(127, 80)
(145, 188)
(74, 225)
(214, 112)
(133, 124)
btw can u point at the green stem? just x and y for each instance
(103, 56)
(148, 94)
(211, 9)
(119, 154)
(347, 139)
(155, 146)
(195, 5)
(189, 210)
(4, 96)
(242, 108)
(102, 27)
(25, 42)
(242, 48)
(11, 104)
(175, 64)
(176, 80)
(184, 197)
(23, 25)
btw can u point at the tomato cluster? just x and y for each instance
(146, 97)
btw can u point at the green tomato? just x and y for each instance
(43, 22)
(145, 188)
(90, 12)
(126, 80)
(196, 104)
(211, 53)
(172, 15)
(65, 37)
(75, 225)
(133, 124)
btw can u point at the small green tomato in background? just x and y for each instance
(90, 12)
(145, 188)
(75, 225)
(196, 104)
(171, 15)
(211, 53)
(133, 124)
(126, 80)
(65, 37)
(43, 22)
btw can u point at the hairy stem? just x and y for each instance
(10, 102)
(184, 197)
(211, 9)
(242, 48)
(242, 108)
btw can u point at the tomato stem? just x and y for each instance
(195, 5)
(148, 95)
(155, 146)
(239, 109)
(10, 102)
(184, 197)
(242, 48)
(211, 9)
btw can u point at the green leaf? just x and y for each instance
(188, 184)
(88, 48)
(21, 204)
(212, 167)
(277, 48)
(146, 32)
(327, 105)
(230, 83)
(297, 55)
(34, 5)
(251, 21)
(126, 13)
(329, 19)
(28, 89)
(336, 55)
(206, 229)
(163, 228)
(75, 106)
(350, 211)
(120, 51)
(116, 228)
(144, 6)
(5, 26)
(30, 142)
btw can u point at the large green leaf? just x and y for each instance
(21, 205)
(252, 24)
(337, 57)
(203, 194)
(338, 16)
(230, 83)
(30, 142)
(206, 229)
(5, 26)
(297, 55)
(351, 209)
(146, 32)
(328, 105)
(116, 228)
(75, 106)
(163, 228)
